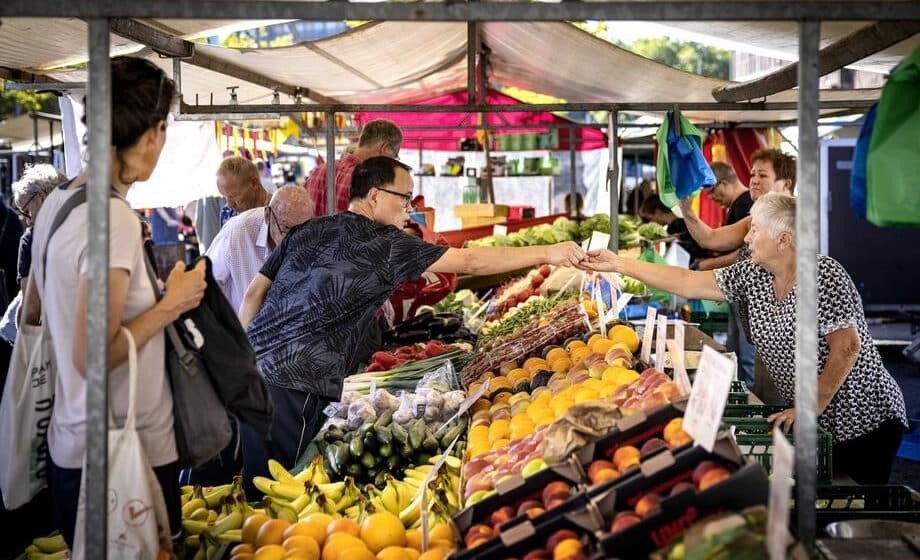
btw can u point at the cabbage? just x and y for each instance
(652, 231)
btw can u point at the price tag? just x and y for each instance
(707, 399)
(681, 379)
(598, 240)
(499, 229)
(428, 478)
(647, 335)
(660, 342)
(601, 308)
(780, 486)
(373, 388)
(622, 302)
(331, 410)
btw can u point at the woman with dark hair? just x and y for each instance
(141, 99)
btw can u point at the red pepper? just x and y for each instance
(386, 361)
(375, 367)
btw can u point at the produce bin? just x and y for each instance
(887, 502)
(755, 438)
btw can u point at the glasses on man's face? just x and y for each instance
(407, 197)
(23, 210)
(282, 230)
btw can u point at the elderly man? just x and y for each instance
(309, 309)
(245, 242)
(378, 138)
(238, 182)
(729, 193)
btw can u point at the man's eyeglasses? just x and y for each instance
(282, 230)
(23, 209)
(407, 197)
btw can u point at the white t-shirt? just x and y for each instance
(238, 253)
(66, 263)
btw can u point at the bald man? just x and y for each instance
(245, 242)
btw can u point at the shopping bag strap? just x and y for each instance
(185, 357)
(130, 419)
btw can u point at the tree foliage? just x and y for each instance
(685, 55)
(14, 103)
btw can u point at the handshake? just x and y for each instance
(571, 254)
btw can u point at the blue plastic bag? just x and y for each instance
(682, 169)
(859, 174)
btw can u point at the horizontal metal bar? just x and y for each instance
(623, 10)
(162, 43)
(242, 110)
(44, 86)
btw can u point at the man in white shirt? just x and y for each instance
(244, 243)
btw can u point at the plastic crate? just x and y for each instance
(733, 410)
(755, 438)
(737, 394)
(888, 502)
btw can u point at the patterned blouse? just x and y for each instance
(869, 395)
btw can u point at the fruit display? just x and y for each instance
(414, 358)
(627, 458)
(214, 516)
(428, 325)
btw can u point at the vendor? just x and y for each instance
(859, 402)
(655, 211)
(309, 309)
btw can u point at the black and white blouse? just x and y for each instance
(869, 396)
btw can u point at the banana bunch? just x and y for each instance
(213, 517)
(293, 497)
(47, 548)
(443, 494)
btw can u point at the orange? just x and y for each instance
(499, 429)
(442, 532)
(554, 355)
(271, 532)
(414, 539)
(244, 548)
(251, 527)
(269, 552)
(593, 339)
(321, 519)
(574, 344)
(601, 346)
(343, 525)
(382, 530)
(434, 554)
(579, 354)
(311, 529)
(338, 542)
(562, 365)
(356, 553)
(535, 363)
(307, 545)
(413, 554)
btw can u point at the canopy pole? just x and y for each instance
(177, 76)
(613, 174)
(808, 218)
(330, 163)
(99, 113)
(421, 177)
(573, 185)
(472, 46)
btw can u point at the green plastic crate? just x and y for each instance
(755, 439)
(737, 394)
(744, 410)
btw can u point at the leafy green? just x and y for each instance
(652, 231)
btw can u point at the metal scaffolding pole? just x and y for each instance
(330, 163)
(573, 185)
(807, 226)
(99, 113)
(472, 47)
(613, 174)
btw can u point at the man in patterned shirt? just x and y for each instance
(378, 138)
(238, 182)
(308, 312)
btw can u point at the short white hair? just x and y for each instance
(36, 180)
(775, 212)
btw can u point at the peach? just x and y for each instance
(672, 428)
(598, 465)
(648, 504)
(702, 469)
(475, 532)
(680, 439)
(603, 475)
(539, 554)
(567, 549)
(556, 488)
(555, 501)
(651, 445)
(501, 515)
(713, 477)
(535, 512)
(558, 537)
(623, 520)
(528, 505)
(681, 487)
(625, 454)
(669, 391)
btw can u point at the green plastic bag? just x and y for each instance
(893, 183)
(650, 255)
(682, 169)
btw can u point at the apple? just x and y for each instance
(558, 537)
(479, 496)
(648, 504)
(482, 415)
(623, 520)
(681, 487)
(534, 466)
(502, 414)
(702, 469)
(501, 515)
(651, 445)
(713, 477)
(508, 366)
(649, 402)
(473, 466)
(669, 391)
(498, 406)
(581, 377)
(615, 354)
(632, 403)
(477, 483)
(594, 358)
(596, 370)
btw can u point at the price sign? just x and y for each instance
(647, 335)
(681, 379)
(707, 398)
(598, 240)
(428, 478)
(601, 308)
(780, 486)
(660, 342)
(331, 410)
(499, 229)
(621, 304)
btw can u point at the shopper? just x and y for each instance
(729, 193)
(141, 99)
(653, 210)
(246, 241)
(771, 171)
(378, 138)
(310, 309)
(238, 182)
(859, 402)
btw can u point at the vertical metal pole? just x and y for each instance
(421, 177)
(472, 45)
(177, 76)
(330, 163)
(99, 113)
(638, 184)
(573, 185)
(613, 175)
(807, 225)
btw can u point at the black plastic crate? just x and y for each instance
(844, 503)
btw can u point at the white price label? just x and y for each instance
(499, 229)
(598, 240)
(601, 308)
(780, 487)
(681, 379)
(647, 335)
(621, 304)
(707, 399)
(660, 339)
(428, 478)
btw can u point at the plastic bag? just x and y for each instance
(858, 176)
(682, 169)
(443, 378)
